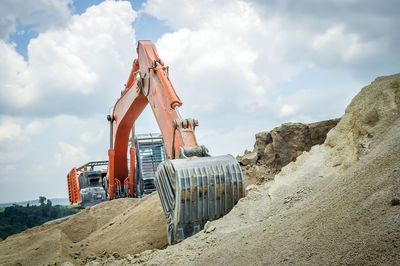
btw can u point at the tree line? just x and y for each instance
(15, 219)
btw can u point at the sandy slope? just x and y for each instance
(123, 226)
(334, 205)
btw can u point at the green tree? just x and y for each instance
(42, 200)
(49, 203)
(15, 219)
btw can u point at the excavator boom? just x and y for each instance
(147, 83)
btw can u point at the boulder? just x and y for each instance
(249, 158)
(319, 130)
(288, 141)
(262, 140)
(283, 144)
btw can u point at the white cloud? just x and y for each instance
(233, 141)
(70, 155)
(178, 13)
(15, 77)
(266, 43)
(235, 58)
(14, 144)
(74, 64)
(9, 130)
(41, 14)
(76, 69)
(335, 45)
(44, 151)
(287, 109)
(32, 127)
(90, 137)
(217, 59)
(69, 59)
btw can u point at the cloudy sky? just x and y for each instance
(240, 67)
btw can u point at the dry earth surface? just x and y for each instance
(337, 203)
(122, 226)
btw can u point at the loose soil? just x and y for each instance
(117, 227)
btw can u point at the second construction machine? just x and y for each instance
(193, 186)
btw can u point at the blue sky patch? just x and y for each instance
(146, 26)
(22, 37)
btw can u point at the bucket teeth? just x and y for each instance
(195, 190)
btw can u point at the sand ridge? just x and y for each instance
(119, 227)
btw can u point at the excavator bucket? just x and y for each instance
(195, 190)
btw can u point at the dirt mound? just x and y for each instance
(119, 227)
(367, 119)
(337, 204)
(280, 146)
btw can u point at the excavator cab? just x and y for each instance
(150, 152)
(92, 190)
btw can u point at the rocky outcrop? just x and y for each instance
(283, 144)
(249, 158)
(287, 142)
(319, 130)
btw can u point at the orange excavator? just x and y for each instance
(193, 186)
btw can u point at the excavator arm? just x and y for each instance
(148, 83)
(193, 187)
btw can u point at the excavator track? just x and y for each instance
(195, 190)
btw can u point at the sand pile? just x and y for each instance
(337, 204)
(117, 227)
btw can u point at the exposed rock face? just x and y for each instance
(288, 142)
(249, 158)
(283, 144)
(319, 130)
